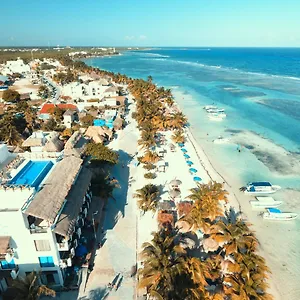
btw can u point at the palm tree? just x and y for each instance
(147, 139)
(103, 187)
(150, 157)
(234, 234)
(29, 288)
(178, 136)
(147, 198)
(161, 264)
(177, 120)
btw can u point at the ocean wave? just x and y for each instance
(229, 69)
(155, 54)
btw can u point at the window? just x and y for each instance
(8, 265)
(42, 245)
(46, 261)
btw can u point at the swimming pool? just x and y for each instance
(32, 173)
(102, 122)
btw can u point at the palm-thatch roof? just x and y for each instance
(183, 208)
(98, 134)
(118, 123)
(72, 141)
(165, 218)
(4, 246)
(66, 222)
(53, 144)
(183, 226)
(33, 142)
(49, 200)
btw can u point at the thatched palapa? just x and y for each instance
(66, 222)
(48, 201)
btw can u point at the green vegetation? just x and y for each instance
(29, 288)
(10, 96)
(43, 92)
(147, 198)
(101, 154)
(87, 120)
(102, 186)
(150, 175)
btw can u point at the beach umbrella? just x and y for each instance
(174, 193)
(197, 179)
(186, 156)
(189, 162)
(175, 182)
(210, 245)
(183, 150)
(192, 170)
(183, 226)
(181, 144)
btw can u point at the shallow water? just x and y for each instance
(259, 88)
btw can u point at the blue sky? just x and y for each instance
(150, 22)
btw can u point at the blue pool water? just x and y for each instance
(32, 173)
(102, 122)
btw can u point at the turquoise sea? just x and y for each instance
(259, 89)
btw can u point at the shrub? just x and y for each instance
(150, 175)
(149, 167)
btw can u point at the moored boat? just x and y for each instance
(277, 215)
(265, 202)
(260, 188)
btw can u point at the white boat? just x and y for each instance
(215, 110)
(277, 215)
(216, 117)
(210, 107)
(221, 140)
(260, 187)
(265, 202)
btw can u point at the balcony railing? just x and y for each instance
(38, 230)
(64, 246)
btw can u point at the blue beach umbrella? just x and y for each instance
(180, 144)
(189, 162)
(183, 150)
(192, 170)
(186, 156)
(197, 179)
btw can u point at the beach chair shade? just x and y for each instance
(186, 156)
(174, 193)
(189, 162)
(175, 182)
(197, 179)
(192, 170)
(210, 245)
(181, 144)
(183, 150)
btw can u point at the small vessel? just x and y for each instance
(277, 215)
(260, 187)
(215, 110)
(210, 107)
(265, 202)
(221, 140)
(216, 116)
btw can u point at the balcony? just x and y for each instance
(10, 272)
(38, 230)
(63, 246)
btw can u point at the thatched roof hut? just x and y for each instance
(118, 123)
(49, 200)
(165, 218)
(67, 220)
(183, 208)
(99, 134)
(53, 144)
(33, 142)
(72, 141)
(183, 226)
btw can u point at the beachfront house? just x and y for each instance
(47, 109)
(41, 141)
(43, 209)
(112, 91)
(69, 117)
(16, 66)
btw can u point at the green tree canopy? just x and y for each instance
(101, 154)
(10, 96)
(87, 120)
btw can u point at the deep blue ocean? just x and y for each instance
(258, 87)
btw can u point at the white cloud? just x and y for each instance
(142, 37)
(129, 37)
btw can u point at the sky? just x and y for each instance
(189, 23)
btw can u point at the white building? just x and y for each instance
(16, 66)
(69, 117)
(41, 222)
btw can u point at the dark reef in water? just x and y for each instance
(288, 107)
(233, 130)
(245, 94)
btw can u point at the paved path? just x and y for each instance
(118, 254)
